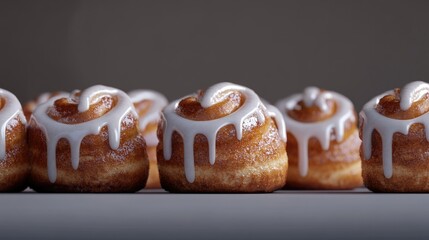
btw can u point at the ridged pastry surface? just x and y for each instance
(14, 164)
(14, 168)
(323, 141)
(395, 158)
(101, 167)
(29, 107)
(149, 104)
(335, 169)
(255, 163)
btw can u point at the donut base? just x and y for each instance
(264, 178)
(256, 163)
(15, 167)
(375, 181)
(337, 168)
(13, 179)
(410, 163)
(120, 179)
(101, 169)
(335, 177)
(153, 179)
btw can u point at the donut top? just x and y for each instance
(10, 108)
(74, 132)
(248, 114)
(372, 119)
(314, 97)
(152, 114)
(47, 95)
(336, 110)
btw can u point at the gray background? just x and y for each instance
(359, 48)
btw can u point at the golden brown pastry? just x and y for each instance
(31, 105)
(323, 141)
(148, 105)
(14, 165)
(88, 142)
(221, 140)
(395, 150)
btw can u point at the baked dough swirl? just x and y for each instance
(322, 140)
(395, 132)
(88, 142)
(14, 165)
(29, 107)
(221, 140)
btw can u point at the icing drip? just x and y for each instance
(188, 129)
(275, 113)
(151, 139)
(11, 108)
(153, 115)
(372, 120)
(74, 133)
(321, 130)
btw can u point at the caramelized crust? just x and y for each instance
(256, 163)
(142, 109)
(14, 169)
(339, 167)
(410, 152)
(66, 110)
(101, 169)
(153, 178)
(190, 108)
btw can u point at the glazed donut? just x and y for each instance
(221, 140)
(395, 131)
(88, 142)
(14, 165)
(323, 142)
(148, 105)
(31, 105)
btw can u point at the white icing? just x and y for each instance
(74, 133)
(275, 113)
(188, 129)
(321, 130)
(411, 93)
(153, 114)
(42, 99)
(313, 97)
(372, 120)
(47, 95)
(11, 108)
